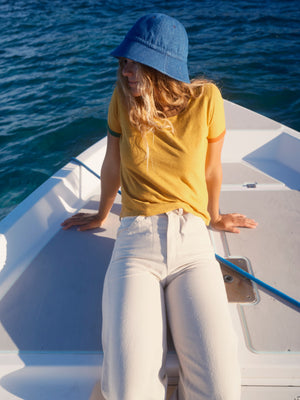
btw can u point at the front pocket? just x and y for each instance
(134, 238)
(135, 225)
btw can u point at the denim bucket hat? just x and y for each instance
(160, 42)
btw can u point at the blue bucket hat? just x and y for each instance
(160, 42)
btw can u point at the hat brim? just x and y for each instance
(164, 63)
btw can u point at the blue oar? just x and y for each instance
(226, 262)
(258, 281)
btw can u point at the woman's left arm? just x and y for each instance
(213, 175)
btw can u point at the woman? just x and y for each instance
(164, 148)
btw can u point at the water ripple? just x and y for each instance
(56, 77)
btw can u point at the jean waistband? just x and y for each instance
(178, 211)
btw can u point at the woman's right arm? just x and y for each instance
(110, 184)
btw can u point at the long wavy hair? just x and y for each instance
(160, 98)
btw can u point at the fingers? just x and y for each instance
(240, 221)
(232, 222)
(243, 222)
(76, 219)
(73, 218)
(250, 223)
(91, 224)
(232, 230)
(84, 222)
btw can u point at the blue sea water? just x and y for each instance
(56, 75)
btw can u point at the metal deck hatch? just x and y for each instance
(239, 289)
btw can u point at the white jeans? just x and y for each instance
(163, 268)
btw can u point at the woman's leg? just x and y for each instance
(201, 325)
(133, 335)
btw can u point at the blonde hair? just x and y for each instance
(160, 98)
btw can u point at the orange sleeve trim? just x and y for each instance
(213, 140)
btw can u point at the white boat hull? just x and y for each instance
(51, 280)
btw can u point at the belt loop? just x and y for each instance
(178, 211)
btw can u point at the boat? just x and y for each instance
(51, 280)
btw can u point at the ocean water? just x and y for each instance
(56, 75)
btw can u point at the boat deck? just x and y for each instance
(275, 260)
(56, 303)
(50, 309)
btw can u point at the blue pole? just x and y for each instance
(259, 282)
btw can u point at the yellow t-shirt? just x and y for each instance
(173, 175)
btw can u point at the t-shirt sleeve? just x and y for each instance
(113, 120)
(216, 115)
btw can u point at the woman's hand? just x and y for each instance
(110, 183)
(231, 222)
(84, 221)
